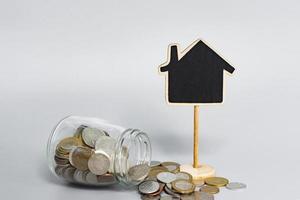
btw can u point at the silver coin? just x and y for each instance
(169, 197)
(91, 135)
(188, 197)
(79, 157)
(183, 175)
(168, 190)
(183, 185)
(91, 178)
(197, 188)
(98, 163)
(149, 187)
(106, 144)
(59, 169)
(203, 196)
(78, 176)
(236, 186)
(150, 197)
(197, 196)
(154, 163)
(169, 185)
(166, 177)
(84, 174)
(138, 172)
(79, 130)
(171, 167)
(68, 173)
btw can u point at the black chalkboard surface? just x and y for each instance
(194, 76)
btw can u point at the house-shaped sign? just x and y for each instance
(195, 75)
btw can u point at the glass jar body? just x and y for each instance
(93, 151)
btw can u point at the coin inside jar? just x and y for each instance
(107, 179)
(183, 186)
(67, 144)
(61, 161)
(68, 173)
(106, 144)
(78, 133)
(91, 178)
(78, 176)
(98, 163)
(79, 157)
(91, 135)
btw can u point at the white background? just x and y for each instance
(99, 58)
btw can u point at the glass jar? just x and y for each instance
(95, 152)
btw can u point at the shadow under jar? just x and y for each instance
(93, 151)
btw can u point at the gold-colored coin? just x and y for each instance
(154, 171)
(79, 131)
(161, 188)
(171, 166)
(216, 181)
(61, 161)
(183, 186)
(78, 134)
(159, 168)
(107, 178)
(58, 154)
(198, 182)
(79, 157)
(67, 144)
(210, 189)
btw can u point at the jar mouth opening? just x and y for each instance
(133, 148)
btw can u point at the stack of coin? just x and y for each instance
(165, 181)
(86, 157)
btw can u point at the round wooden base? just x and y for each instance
(202, 172)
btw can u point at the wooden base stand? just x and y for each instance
(201, 172)
(196, 170)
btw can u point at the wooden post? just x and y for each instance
(196, 136)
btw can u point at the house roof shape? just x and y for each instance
(193, 54)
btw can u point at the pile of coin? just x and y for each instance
(87, 157)
(165, 181)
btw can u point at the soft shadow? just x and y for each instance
(116, 187)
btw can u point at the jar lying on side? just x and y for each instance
(95, 152)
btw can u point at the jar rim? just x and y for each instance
(139, 142)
